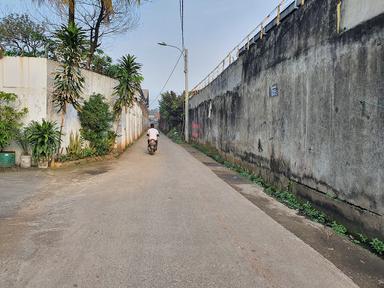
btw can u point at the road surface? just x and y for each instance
(146, 221)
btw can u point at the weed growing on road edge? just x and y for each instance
(175, 136)
(289, 199)
(377, 246)
(338, 228)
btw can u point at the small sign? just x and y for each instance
(274, 91)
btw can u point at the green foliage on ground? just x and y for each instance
(76, 149)
(304, 208)
(377, 245)
(44, 139)
(338, 228)
(96, 123)
(175, 136)
(22, 140)
(10, 118)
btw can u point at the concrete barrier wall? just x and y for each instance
(304, 106)
(32, 80)
(355, 12)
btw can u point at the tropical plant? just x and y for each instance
(10, 118)
(44, 138)
(96, 122)
(69, 82)
(60, 4)
(21, 36)
(22, 140)
(74, 146)
(130, 78)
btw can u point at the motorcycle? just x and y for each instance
(152, 146)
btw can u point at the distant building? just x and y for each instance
(145, 95)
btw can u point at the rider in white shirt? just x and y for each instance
(153, 133)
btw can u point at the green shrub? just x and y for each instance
(338, 228)
(44, 138)
(96, 121)
(22, 140)
(74, 147)
(377, 245)
(313, 213)
(10, 118)
(362, 238)
(175, 135)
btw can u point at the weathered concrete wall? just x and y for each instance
(355, 12)
(316, 132)
(32, 80)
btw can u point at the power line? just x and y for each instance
(166, 82)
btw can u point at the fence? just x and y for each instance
(274, 18)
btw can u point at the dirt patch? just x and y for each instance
(98, 171)
(363, 267)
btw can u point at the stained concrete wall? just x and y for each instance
(355, 12)
(32, 80)
(323, 133)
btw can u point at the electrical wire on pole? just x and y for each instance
(166, 82)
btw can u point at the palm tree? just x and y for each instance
(69, 3)
(68, 80)
(130, 78)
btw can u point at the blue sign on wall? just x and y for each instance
(273, 91)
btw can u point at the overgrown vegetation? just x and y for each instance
(304, 208)
(76, 149)
(44, 138)
(96, 122)
(171, 107)
(10, 118)
(175, 136)
(22, 140)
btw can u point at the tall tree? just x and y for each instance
(130, 78)
(104, 17)
(171, 111)
(69, 82)
(21, 36)
(98, 18)
(61, 3)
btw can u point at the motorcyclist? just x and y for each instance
(153, 134)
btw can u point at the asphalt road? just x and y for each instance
(146, 221)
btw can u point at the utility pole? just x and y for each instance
(184, 51)
(186, 92)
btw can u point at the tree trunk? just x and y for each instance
(71, 13)
(95, 39)
(61, 131)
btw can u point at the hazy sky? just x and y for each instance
(212, 29)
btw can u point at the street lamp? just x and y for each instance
(184, 51)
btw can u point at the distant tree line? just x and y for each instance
(171, 107)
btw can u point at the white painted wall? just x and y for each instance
(355, 12)
(32, 80)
